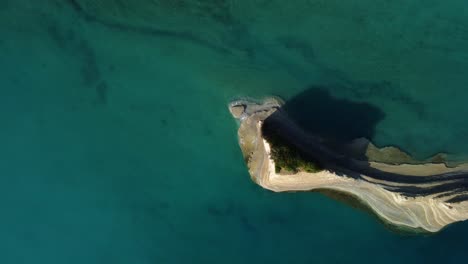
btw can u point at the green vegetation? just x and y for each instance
(287, 157)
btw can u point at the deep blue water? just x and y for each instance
(117, 146)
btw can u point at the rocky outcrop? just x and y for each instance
(426, 196)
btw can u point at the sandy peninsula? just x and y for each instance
(425, 196)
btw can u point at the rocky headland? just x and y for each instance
(281, 156)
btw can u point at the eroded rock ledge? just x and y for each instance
(426, 196)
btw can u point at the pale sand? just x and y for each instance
(418, 169)
(426, 212)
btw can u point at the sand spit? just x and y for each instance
(430, 211)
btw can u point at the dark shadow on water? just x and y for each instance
(341, 120)
(330, 125)
(322, 127)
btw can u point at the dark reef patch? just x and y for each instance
(222, 210)
(146, 30)
(300, 46)
(216, 10)
(69, 41)
(163, 122)
(101, 92)
(89, 69)
(247, 225)
(62, 37)
(276, 218)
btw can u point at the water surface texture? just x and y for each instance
(117, 146)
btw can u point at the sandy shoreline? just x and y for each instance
(426, 212)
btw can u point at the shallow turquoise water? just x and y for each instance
(117, 146)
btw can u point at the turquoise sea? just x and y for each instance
(116, 145)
